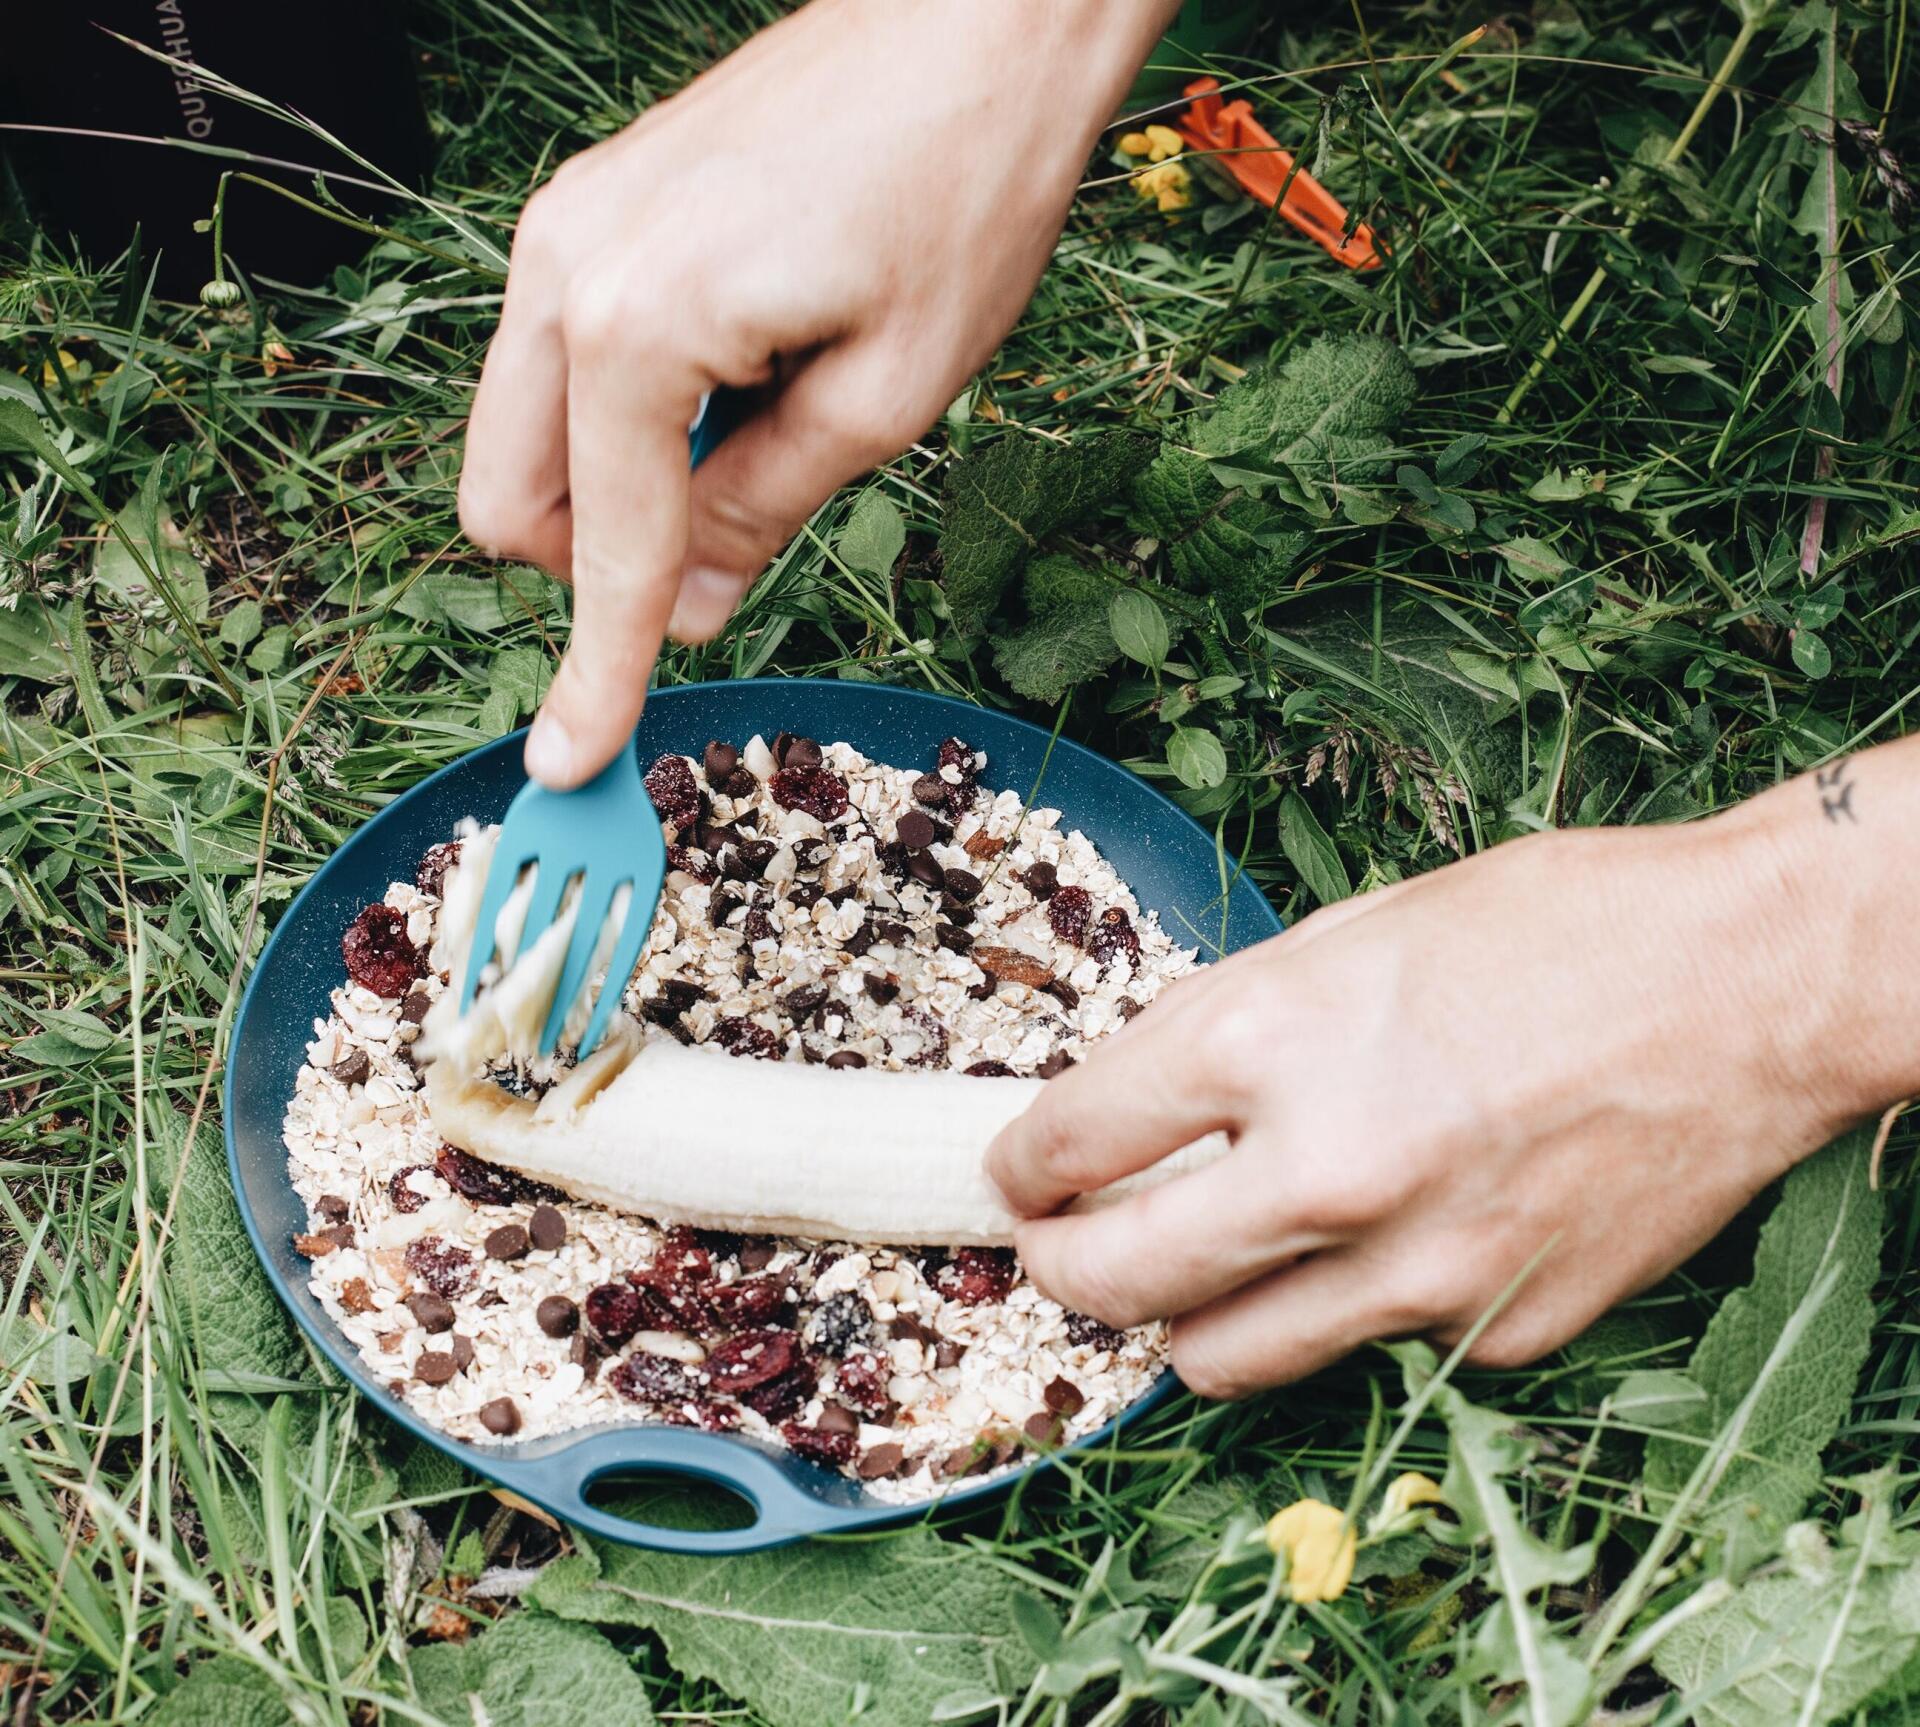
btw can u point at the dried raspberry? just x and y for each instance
(669, 783)
(647, 1378)
(716, 1417)
(819, 791)
(753, 1301)
(841, 1325)
(1084, 1331)
(975, 1275)
(753, 1358)
(784, 1396)
(744, 1037)
(955, 754)
(401, 1193)
(862, 1382)
(378, 954)
(666, 1305)
(693, 863)
(613, 1310)
(431, 875)
(820, 1445)
(445, 1269)
(683, 1258)
(1069, 912)
(482, 1183)
(990, 1070)
(757, 926)
(1113, 936)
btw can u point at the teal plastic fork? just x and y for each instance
(604, 834)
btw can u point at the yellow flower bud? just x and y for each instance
(1405, 1494)
(1162, 142)
(1135, 143)
(1319, 1546)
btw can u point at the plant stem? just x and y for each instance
(1677, 149)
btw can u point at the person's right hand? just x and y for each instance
(846, 215)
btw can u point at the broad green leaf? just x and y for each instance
(1811, 654)
(1139, 627)
(30, 644)
(804, 1633)
(1310, 849)
(875, 535)
(163, 553)
(481, 603)
(1803, 1645)
(225, 1691)
(1000, 504)
(1066, 639)
(1533, 560)
(531, 1670)
(1779, 1360)
(1197, 757)
(241, 624)
(1656, 1397)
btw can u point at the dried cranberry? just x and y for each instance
(955, 754)
(666, 1305)
(751, 1302)
(975, 1275)
(753, 1358)
(613, 1310)
(445, 1269)
(819, 1444)
(818, 791)
(683, 1259)
(647, 1378)
(990, 1070)
(1113, 936)
(862, 1382)
(378, 954)
(739, 1036)
(401, 1193)
(1084, 1331)
(431, 875)
(483, 1183)
(669, 783)
(787, 1395)
(1069, 912)
(693, 863)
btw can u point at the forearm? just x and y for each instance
(1830, 858)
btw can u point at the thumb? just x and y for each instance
(627, 472)
(826, 425)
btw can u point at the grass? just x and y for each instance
(1615, 272)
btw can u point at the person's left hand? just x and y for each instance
(1565, 1063)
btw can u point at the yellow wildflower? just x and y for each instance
(68, 364)
(1156, 143)
(1170, 186)
(1405, 1494)
(1319, 1546)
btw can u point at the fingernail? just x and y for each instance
(550, 752)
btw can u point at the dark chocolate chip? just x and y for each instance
(758, 1255)
(501, 1416)
(925, 870)
(557, 1316)
(585, 1354)
(340, 1234)
(1127, 1007)
(796, 1004)
(1044, 1428)
(718, 762)
(1042, 880)
(984, 988)
(952, 937)
(930, 789)
(462, 1351)
(881, 1461)
(880, 989)
(802, 753)
(897, 933)
(1063, 992)
(742, 784)
(434, 1312)
(435, 1367)
(332, 1207)
(1063, 1397)
(547, 1228)
(509, 1241)
(947, 1353)
(1055, 1065)
(353, 1068)
(915, 830)
(860, 941)
(963, 885)
(804, 895)
(844, 1058)
(414, 1009)
(837, 1418)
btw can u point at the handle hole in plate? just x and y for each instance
(667, 1499)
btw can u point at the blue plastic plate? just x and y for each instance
(1168, 859)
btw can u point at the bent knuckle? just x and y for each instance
(491, 522)
(1202, 1369)
(1512, 1342)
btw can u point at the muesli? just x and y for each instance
(818, 907)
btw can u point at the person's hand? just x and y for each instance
(1567, 1063)
(846, 215)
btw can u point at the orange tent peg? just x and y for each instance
(1241, 147)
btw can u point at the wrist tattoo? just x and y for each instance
(1836, 793)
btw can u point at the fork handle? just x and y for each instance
(721, 411)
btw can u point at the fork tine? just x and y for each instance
(543, 904)
(590, 914)
(626, 955)
(503, 871)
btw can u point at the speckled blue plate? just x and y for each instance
(1169, 860)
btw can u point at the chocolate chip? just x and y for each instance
(747, 860)
(952, 937)
(796, 1004)
(434, 1312)
(557, 1316)
(741, 784)
(586, 1355)
(984, 988)
(802, 753)
(414, 1009)
(1055, 1065)
(1062, 992)
(843, 1058)
(947, 1353)
(332, 1207)
(897, 933)
(722, 906)
(462, 1351)
(963, 885)
(881, 1461)
(860, 941)
(1042, 880)
(956, 911)
(718, 762)
(324, 1241)
(435, 1367)
(930, 789)
(509, 1241)
(501, 1416)
(807, 853)
(547, 1228)
(925, 870)
(880, 989)
(990, 1070)
(1127, 1007)
(837, 1418)
(915, 830)
(804, 895)
(1063, 1397)
(758, 1255)
(353, 1068)
(1044, 1429)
